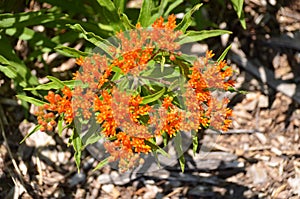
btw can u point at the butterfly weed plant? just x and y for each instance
(137, 87)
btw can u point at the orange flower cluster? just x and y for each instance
(120, 110)
(136, 110)
(95, 71)
(171, 117)
(164, 35)
(46, 120)
(220, 116)
(207, 76)
(134, 51)
(105, 115)
(138, 47)
(191, 116)
(127, 159)
(57, 103)
(128, 123)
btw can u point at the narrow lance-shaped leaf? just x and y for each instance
(162, 6)
(70, 52)
(3, 60)
(156, 158)
(151, 98)
(145, 13)
(93, 133)
(36, 128)
(178, 148)
(31, 100)
(102, 164)
(160, 11)
(59, 83)
(60, 125)
(156, 148)
(194, 36)
(120, 5)
(187, 19)
(8, 71)
(162, 64)
(9, 58)
(127, 24)
(25, 19)
(52, 85)
(238, 7)
(172, 6)
(223, 55)
(91, 37)
(195, 141)
(110, 13)
(77, 144)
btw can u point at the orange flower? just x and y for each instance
(135, 108)
(171, 121)
(96, 95)
(139, 145)
(171, 24)
(105, 115)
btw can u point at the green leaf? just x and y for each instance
(110, 13)
(156, 148)
(36, 40)
(3, 60)
(52, 85)
(77, 145)
(9, 71)
(60, 125)
(36, 128)
(128, 25)
(70, 52)
(145, 13)
(120, 5)
(91, 37)
(102, 164)
(77, 156)
(176, 84)
(71, 7)
(172, 6)
(223, 55)
(178, 148)
(31, 100)
(194, 36)
(59, 83)
(187, 19)
(238, 7)
(183, 66)
(159, 11)
(162, 64)
(165, 138)
(156, 158)
(160, 73)
(93, 134)
(25, 19)
(24, 77)
(151, 98)
(195, 141)
(162, 6)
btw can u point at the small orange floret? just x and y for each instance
(209, 54)
(167, 102)
(158, 23)
(171, 24)
(80, 61)
(138, 25)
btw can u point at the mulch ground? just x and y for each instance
(258, 158)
